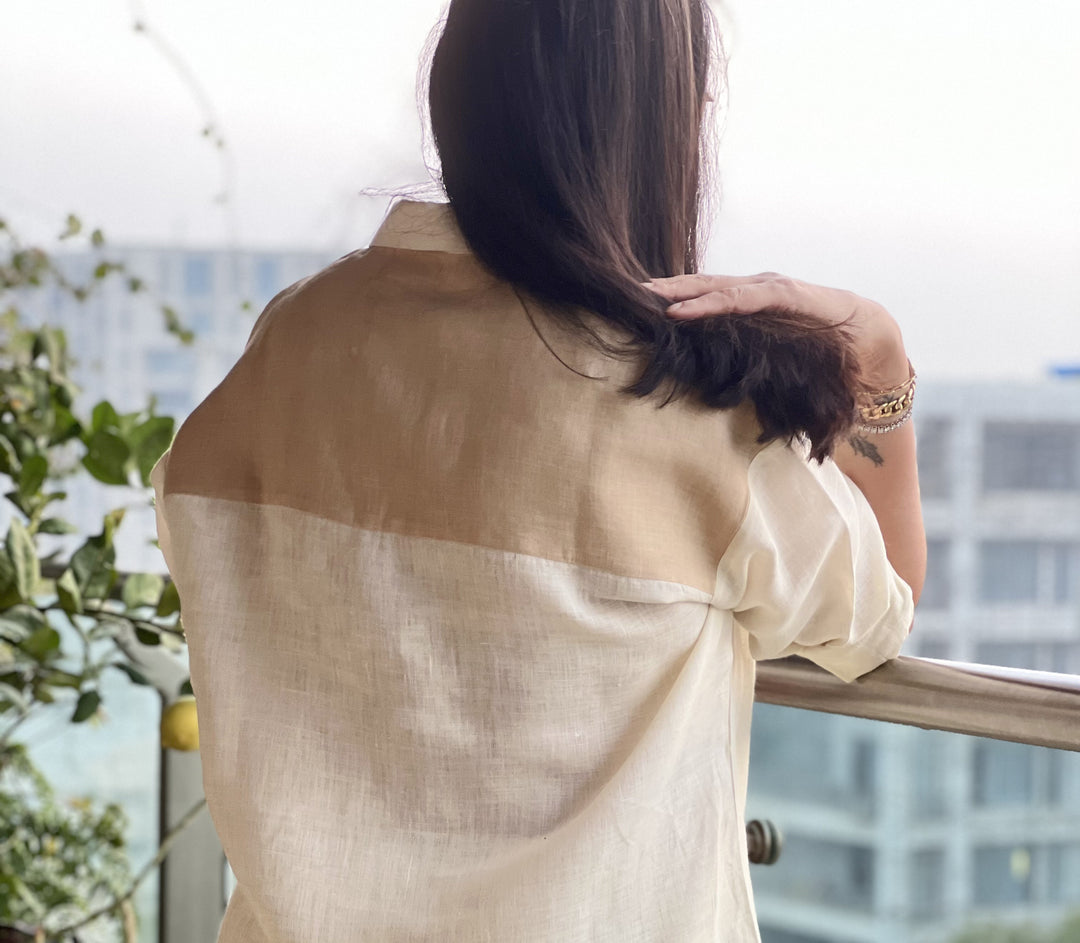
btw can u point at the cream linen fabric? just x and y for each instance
(473, 635)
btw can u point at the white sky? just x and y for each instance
(922, 152)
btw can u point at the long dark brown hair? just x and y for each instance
(570, 136)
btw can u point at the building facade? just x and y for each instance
(899, 835)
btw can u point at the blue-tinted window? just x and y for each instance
(1003, 773)
(178, 362)
(176, 403)
(928, 883)
(937, 591)
(199, 318)
(1003, 875)
(935, 478)
(267, 279)
(1064, 566)
(1031, 456)
(1009, 571)
(198, 275)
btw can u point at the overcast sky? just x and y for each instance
(922, 152)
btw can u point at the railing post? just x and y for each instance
(191, 897)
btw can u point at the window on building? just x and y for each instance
(1063, 872)
(198, 275)
(177, 403)
(930, 647)
(1003, 773)
(1028, 571)
(1009, 571)
(773, 935)
(267, 279)
(928, 787)
(199, 318)
(935, 477)
(1003, 875)
(928, 883)
(777, 759)
(1063, 579)
(937, 591)
(172, 362)
(1007, 654)
(1031, 456)
(864, 769)
(830, 873)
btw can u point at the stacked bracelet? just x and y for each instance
(893, 406)
(888, 427)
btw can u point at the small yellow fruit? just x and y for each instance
(180, 725)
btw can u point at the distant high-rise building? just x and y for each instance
(899, 835)
(124, 354)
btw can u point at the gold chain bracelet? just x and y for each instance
(886, 404)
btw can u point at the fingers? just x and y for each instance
(682, 287)
(735, 299)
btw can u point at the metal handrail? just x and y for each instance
(1041, 708)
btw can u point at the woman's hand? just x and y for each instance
(882, 466)
(876, 335)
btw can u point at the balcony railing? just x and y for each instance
(1034, 707)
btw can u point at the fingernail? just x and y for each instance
(677, 306)
(648, 284)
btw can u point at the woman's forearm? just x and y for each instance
(883, 466)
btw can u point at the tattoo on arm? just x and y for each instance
(865, 447)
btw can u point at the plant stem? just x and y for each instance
(166, 845)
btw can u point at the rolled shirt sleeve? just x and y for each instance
(807, 573)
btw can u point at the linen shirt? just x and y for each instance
(472, 635)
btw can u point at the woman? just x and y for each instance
(472, 622)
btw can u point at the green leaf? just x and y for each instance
(42, 643)
(72, 226)
(7, 578)
(111, 521)
(67, 589)
(53, 344)
(142, 589)
(133, 673)
(149, 440)
(106, 456)
(9, 460)
(54, 525)
(97, 238)
(63, 679)
(146, 636)
(89, 702)
(92, 566)
(32, 476)
(185, 688)
(173, 325)
(23, 554)
(103, 417)
(14, 697)
(65, 425)
(20, 622)
(169, 601)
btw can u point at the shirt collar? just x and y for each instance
(428, 227)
